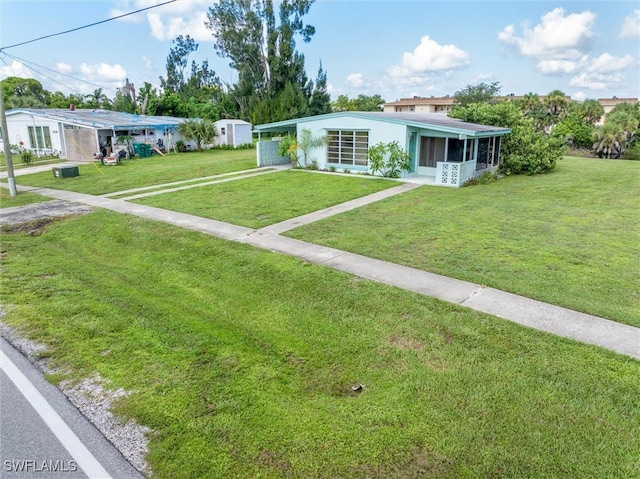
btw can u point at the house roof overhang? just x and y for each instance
(424, 121)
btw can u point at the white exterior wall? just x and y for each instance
(242, 135)
(236, 133)
(384, 132)
(18, 125)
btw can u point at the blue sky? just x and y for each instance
(397, 49)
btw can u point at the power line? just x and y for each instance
(86, 26)
(46, 76)
(26, 62)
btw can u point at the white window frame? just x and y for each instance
(348, 147)
(41, 136)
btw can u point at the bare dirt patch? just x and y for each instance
(34, 218)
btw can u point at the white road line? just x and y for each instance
(69, 440)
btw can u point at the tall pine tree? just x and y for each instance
(272, 83)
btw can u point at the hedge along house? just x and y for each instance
(77, 134)
(443, 151)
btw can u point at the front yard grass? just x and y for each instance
(568, 238)
(267, 199)
(97, 179)
(242, 361)
(8, 201)
(18, 164)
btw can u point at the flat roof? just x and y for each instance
(434, 121)
(100, 118)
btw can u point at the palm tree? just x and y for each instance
(202, 131)
(97, 99)
(592, 111)
(307, 142)
(619, 131)
(609, 141)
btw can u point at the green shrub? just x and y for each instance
(633, 153)
(180, 146)
(288, 146)
(26, 157)
(483, 179)
(524, 151)
(389, 159)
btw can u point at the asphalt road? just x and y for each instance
(43, 435)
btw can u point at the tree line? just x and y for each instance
(545, 128)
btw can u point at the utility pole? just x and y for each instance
(7, 148)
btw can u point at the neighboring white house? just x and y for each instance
(77, 134)
(233, 133)
(446, 151)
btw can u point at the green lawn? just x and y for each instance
(242, 362)
(569, 237)
(96, 179)
(18, 163)
(7, 201)
(267, 199)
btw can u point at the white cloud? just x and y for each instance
(148, 63)
(430, 56)
(631, 26)
(596, 81)
(482, 77)
(16, 69)
(64, 68)
(182, 17)
(413, 72)
(103, 72)
(355, 80)
(557, 37)
(169, 28)
(554, 67)
(606, 63)
(580, 96)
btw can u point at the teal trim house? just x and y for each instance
(444, 151)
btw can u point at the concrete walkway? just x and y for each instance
(560, 321)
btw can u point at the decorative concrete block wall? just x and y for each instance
(268, 154)
(453, 173)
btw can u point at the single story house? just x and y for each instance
(78, 134)
(443, 151)
(233, 133)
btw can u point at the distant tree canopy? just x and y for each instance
(480, 93)
(23, 93)
(576, 125)
(360, 103)
(186, 92)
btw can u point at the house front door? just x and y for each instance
(432, 150)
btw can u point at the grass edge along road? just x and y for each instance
(242, 361)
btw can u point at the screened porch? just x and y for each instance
(452, 161)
